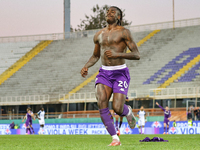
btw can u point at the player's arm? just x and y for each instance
(32, 115)
(145, 117)
(160, 106)
(38, 114)
(37, 117)
(138, 114)
(169, 115)
(94, 58)
(133, 55)
(24, 118)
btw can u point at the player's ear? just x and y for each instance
(118, 17)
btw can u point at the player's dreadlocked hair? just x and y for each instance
(119, 21)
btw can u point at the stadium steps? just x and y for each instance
(76, 89)
(180, 72)
(23, 60)
(56, 69)
(176, 41)
(151, 53)
(12, 52)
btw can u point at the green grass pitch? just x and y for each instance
(96, 142)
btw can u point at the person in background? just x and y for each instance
(16, 126)
(167, 115)
(174, 123)
(40, 115)
(197, 114)
(12, 125)
(190, 124)
(29, 115)
(142, 119)
(189, 115)
(189, 118)
(192, 111)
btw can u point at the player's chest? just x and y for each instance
(141, 113)
(108, 38)
(167, 112)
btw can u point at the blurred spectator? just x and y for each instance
(12, 125)
(189, 115)
(190, 124)
(174, 123)
(197, 112)
(192, 111)
(16, 126)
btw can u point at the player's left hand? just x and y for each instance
(111, 54)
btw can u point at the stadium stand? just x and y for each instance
(156, 53)
(79, 87)
(56, 69)
(11, 52)
(175, 65)
(23, 60)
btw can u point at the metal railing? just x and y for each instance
(28, 99)
(89, 33)
(60, 115)
(166, 93)
(159, 93)
(165, 25)
(88, 97)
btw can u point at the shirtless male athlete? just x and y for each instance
(111, 44)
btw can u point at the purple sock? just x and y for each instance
(27, 130)
(32, 129)
(107, 120)
(167, 129)
(164, 129)
(116, 125)
(125, 110)
(120, 123)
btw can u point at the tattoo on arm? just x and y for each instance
(134, 55)
(96, 54)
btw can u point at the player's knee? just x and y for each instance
(101, 101)
(118, 110)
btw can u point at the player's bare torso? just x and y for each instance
(111, 39)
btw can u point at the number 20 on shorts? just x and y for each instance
(121, 83)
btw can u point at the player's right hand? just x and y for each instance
(84, 72)
(157, 103)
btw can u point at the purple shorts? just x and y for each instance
(116, 77)
(166, 121)
(28, 123)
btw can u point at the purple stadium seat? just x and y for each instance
(175, 66)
